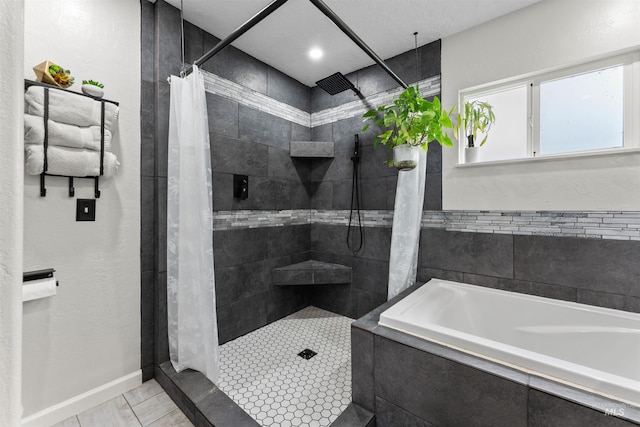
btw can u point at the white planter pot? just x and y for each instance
(93, 90)
(405, 157)
(471, 154)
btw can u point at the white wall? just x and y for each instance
(549, 34)
(11, 177)
(89, 333)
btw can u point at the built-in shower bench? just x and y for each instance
(312, 272)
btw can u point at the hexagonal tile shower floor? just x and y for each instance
(264, 373)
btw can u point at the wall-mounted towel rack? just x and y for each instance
(46, 273)
(43, 190)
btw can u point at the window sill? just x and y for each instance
(552, 158)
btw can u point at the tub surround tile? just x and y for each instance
(390, 415)
(448, 386)
(362, 369)
(355, 416)
(632, 304)
(425, 274)
(583, 399)
(584, 263)
(487, 254)
(549, 411)
(602, 299)
(531, 288)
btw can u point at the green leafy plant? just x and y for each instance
(411, 120)
(93, 82)
(61, 75)
(478, 117)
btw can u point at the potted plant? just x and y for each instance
(53, 74)
(93, 88)
(477, 118)
(409, 124)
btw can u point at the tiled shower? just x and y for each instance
(298, 208)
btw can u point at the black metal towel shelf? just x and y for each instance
(72, 191)
(28, 276)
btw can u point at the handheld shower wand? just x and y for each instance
(355, 200)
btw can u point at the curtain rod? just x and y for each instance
(272, 7)
(268, 10)
(357, 40)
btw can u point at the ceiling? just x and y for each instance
(284, 38)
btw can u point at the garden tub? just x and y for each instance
(593, 348)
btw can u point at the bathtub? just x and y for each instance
(592, 348)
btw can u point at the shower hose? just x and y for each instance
(355, 200)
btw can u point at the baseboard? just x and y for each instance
(63, 410)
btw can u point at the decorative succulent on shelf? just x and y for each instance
(478, 117)
(60, 75)
(93, 83)
(410, 120)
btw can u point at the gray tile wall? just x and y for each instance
(599, 272)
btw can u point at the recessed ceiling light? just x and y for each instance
(315, 53)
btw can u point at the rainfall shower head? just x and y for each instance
(336, 83)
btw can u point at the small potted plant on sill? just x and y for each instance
(409, 124)
(477, 118)
(93, 88)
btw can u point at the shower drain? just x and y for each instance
(307, 354)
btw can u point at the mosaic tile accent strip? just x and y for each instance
(251, 98)
(614, 225)
(428, 87)
(264, 375)
(226, 220)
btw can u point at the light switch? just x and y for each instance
(86, 210)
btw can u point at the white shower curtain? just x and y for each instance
(405, 234)
(191, 301)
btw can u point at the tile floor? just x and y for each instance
(264, 375)
(145, 405)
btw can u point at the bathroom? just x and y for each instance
(106, 327)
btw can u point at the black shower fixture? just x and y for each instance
(337, 83)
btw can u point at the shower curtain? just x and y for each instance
(191, 301)
(405, 234)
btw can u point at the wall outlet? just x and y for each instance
(86, 210)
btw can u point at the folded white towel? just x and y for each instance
(70, 108)
(64, 135)
(69, 161)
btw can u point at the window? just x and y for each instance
(589, 108)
